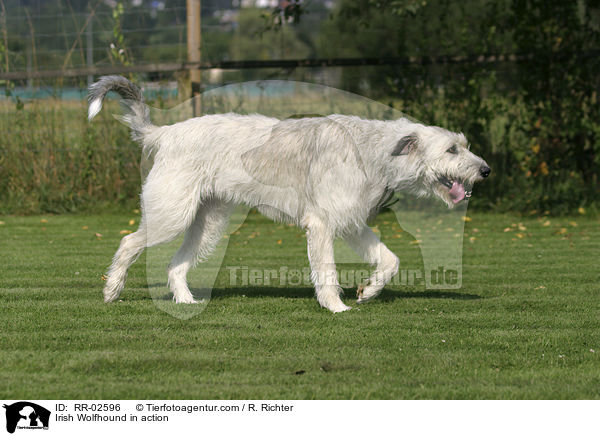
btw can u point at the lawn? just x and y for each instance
(524, 325)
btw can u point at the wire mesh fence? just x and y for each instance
(48, 45)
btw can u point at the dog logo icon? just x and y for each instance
(26, 415)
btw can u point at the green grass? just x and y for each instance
(525, 324)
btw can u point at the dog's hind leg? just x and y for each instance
(131, 247)
(166, 214)
(322, 263)
(372, 250)
(199, 242)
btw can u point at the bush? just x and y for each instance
(53, 160)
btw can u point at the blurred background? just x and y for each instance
(519, 77)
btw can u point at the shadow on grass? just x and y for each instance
(305, 292)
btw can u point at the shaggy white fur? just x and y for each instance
(328, 175)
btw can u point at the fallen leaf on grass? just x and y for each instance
(125, 232)
(326, 367)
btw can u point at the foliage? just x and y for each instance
(250, 41)
(286, 12)
(118, 51)
(536, 121)
(53, 160)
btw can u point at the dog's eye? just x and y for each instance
(452, 150)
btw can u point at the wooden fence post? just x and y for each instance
(194, 54)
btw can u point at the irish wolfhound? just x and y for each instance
(328, 175)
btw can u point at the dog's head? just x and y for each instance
(429, 160)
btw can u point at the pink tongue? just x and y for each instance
(457, 192)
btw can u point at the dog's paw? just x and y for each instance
(110, 298)
(366, 293)
(329, 298)
(185, 299)
(339, 307)
(342, 308)
(111, 295)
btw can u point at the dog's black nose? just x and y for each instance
(484, 171)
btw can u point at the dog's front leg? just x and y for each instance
(322, 263)
(367, 244)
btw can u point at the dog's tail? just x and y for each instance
(137, 115)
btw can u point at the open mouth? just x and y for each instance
(456, 189)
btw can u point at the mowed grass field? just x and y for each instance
(524, 325)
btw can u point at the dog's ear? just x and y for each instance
(405, 145)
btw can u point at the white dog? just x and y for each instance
(328, 175)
